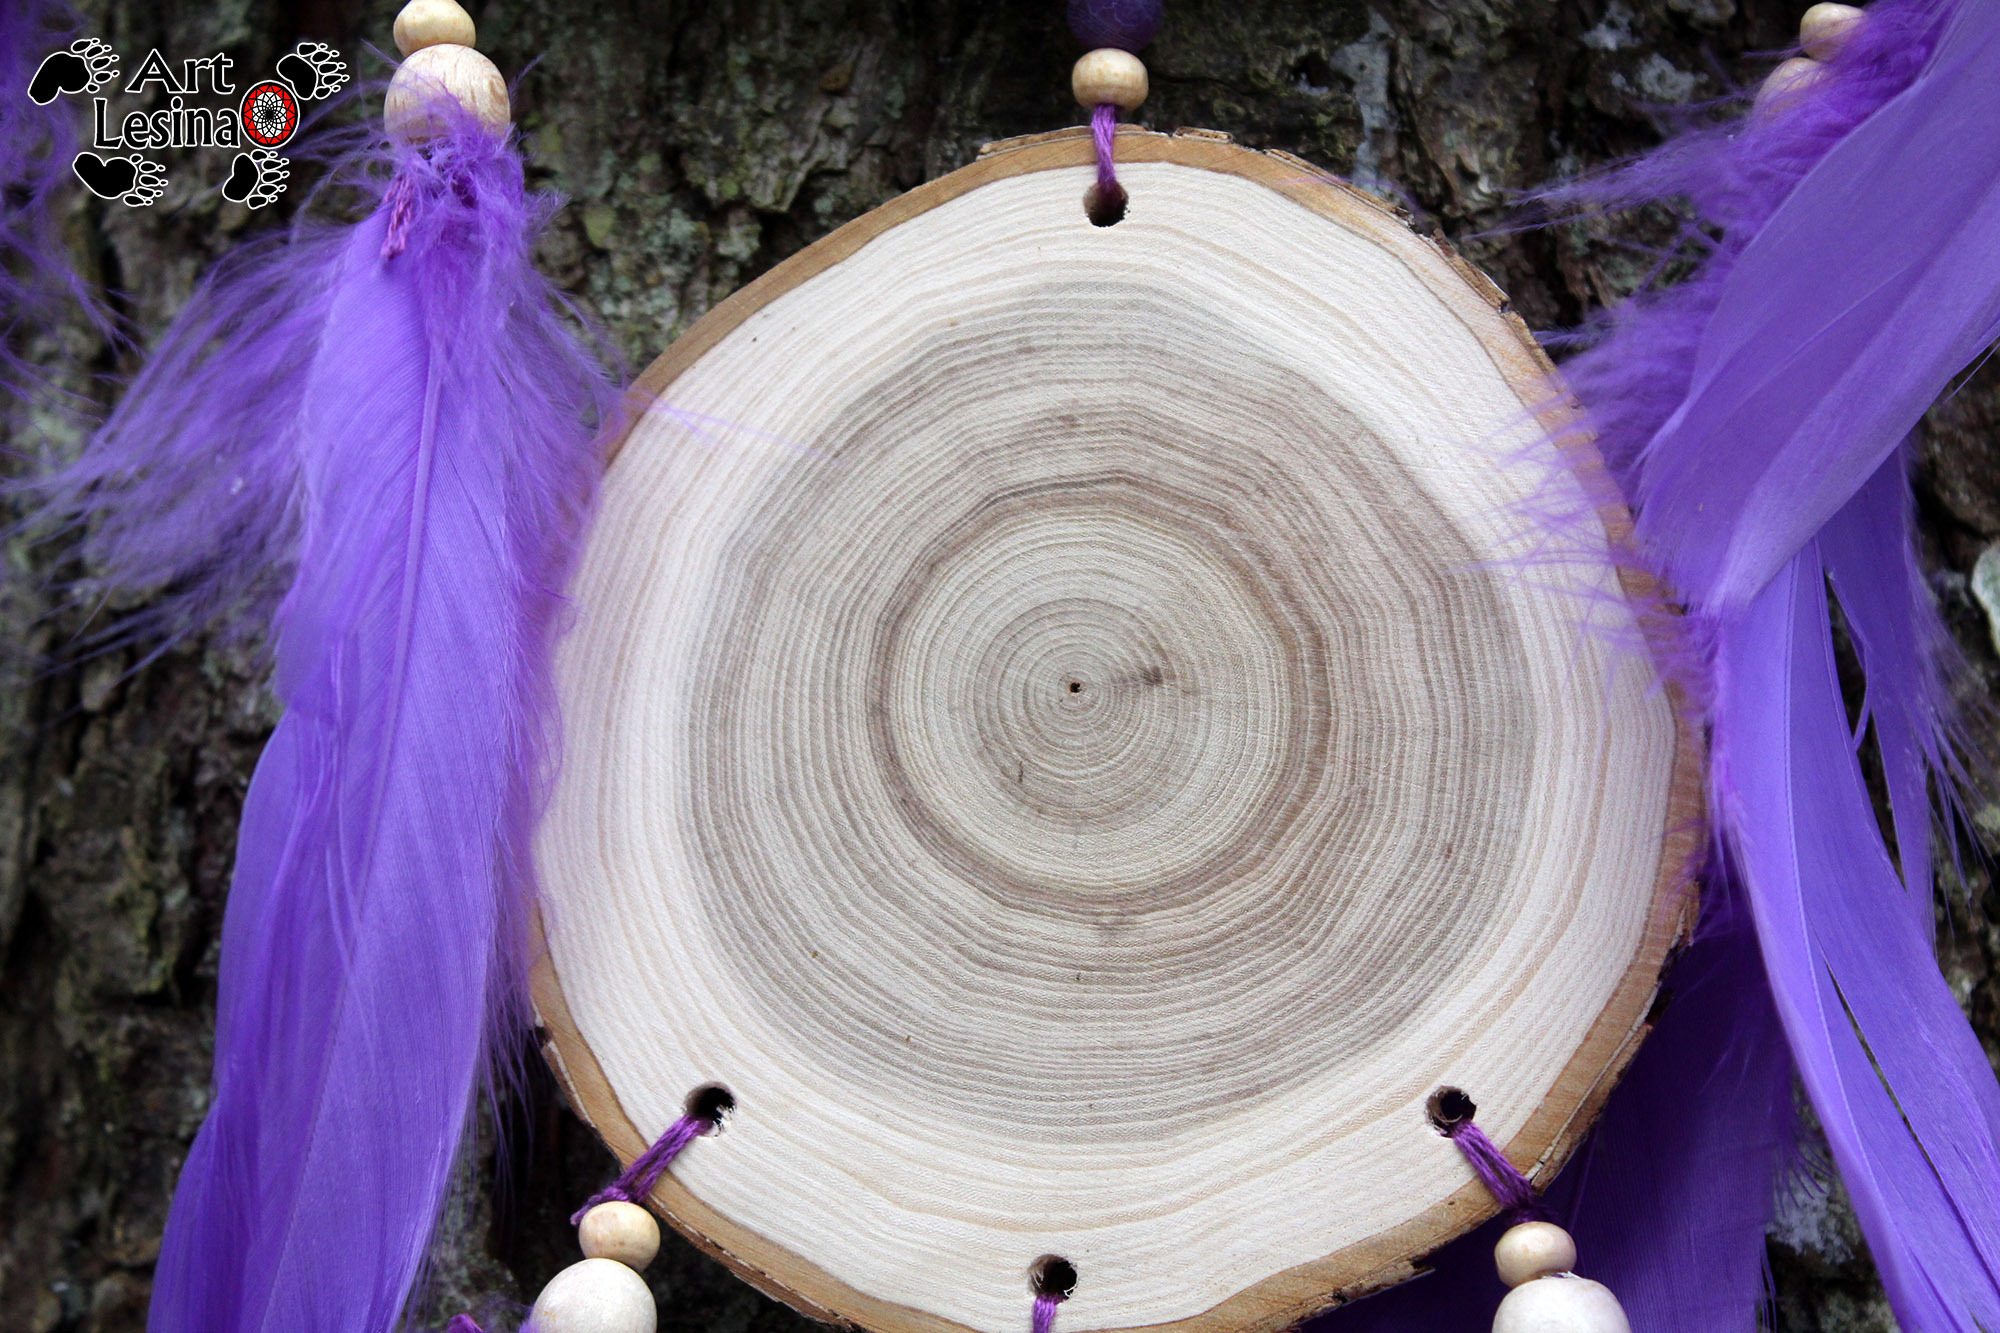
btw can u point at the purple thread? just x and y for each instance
(396, 238)
(463, 1323)
(1515, 1191)
(648, 1166)
(1104, 128)
(1045, 1311)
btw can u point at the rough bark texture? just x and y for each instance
(700, 143)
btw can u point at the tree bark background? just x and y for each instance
(700, 143)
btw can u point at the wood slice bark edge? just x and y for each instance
(1555, 1128)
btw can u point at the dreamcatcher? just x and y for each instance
(1119, 742)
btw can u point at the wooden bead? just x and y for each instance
(1109, 75)
(411, 109)
(622, 1231)
(1787, 81)
(595, 1296)
(1826, 28)
(433, 23)
(1565, 1304)
(1531, 1250)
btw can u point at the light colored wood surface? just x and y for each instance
(1109, 75)
(423, 23)
(434, 83)
(1068, 724)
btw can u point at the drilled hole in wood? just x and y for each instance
(1105, 208)
(711, 1102)
(1449, 1108)
(1076, 687)
(1052, 1275)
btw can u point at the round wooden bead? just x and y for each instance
(1826, 28)
(595, 1296)
(1109, 75)
(433, 23)
(622, 1231)
(412, 108)
(1564, 1304)
(1788, 81)
(1531, 1250)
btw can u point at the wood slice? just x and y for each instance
(1067, 724)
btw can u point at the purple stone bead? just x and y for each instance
(1125, 24)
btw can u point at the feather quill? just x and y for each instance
(380, 437)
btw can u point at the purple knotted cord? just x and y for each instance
(402, 203)
(1515, 1191)
(648, 1166)
(1121, 25)
(1045, 1312)
(633, 1186)
(1104, 128)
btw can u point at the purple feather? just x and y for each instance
(399, 446)
(1670, 1199)
(1754, 416)
(1904, 1091)
(191, 490)
(1907, 657)
(1639, 361)
(1828, 376)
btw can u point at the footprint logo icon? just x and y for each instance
(256, 178)
(134, 181)
(314, 70)
(87, 65)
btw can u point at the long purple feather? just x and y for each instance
(1754, 414)
(1904, 1091)
(396, 438)
(1907, 658)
